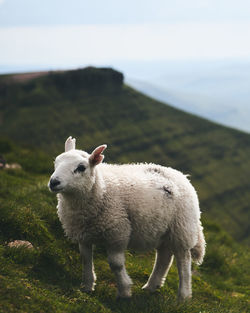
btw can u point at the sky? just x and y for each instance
(61, 12)
(75, 33)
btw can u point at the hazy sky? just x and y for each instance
(79, 32)
(54, 12)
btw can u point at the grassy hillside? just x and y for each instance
(47, 277)
(94, 106)
(36, 115)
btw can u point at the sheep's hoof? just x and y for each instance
(124, 295)
(182, 299)
(86, 289)
(122, 298)
(151, 288)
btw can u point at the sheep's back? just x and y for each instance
(152, 196)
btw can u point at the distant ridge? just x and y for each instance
(23, 77)
(89, 75)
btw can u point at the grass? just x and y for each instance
(47, 278)
(41, 113)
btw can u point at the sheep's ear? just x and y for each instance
(70, 144)
(96, 156)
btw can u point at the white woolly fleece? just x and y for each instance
(138, 206)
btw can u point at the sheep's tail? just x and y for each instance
(198, 251)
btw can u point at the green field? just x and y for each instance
(36, 116)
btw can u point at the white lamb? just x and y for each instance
(137, 206)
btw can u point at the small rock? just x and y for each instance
(20, 243)
(13, 166)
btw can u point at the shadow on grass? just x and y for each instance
(141, 301)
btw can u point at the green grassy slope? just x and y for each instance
(47, 278)
(97, 108)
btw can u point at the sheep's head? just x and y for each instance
(74, 169)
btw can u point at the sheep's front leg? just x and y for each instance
(183, 259)
(88, 276)
(116, 261)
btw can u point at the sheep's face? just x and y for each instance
(72, 172)
(75, 170)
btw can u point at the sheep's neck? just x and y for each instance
(90, 201)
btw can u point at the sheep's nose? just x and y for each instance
(53, 183)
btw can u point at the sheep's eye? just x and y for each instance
(80, 168)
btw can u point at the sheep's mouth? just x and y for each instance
(56, 189)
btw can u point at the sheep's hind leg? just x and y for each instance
(116, 261)
(88, 276)
(163, 262)
(183, 260)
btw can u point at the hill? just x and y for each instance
(96, 107)
(37, 114)
(46, 278)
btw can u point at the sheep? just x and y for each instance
(131, 206)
